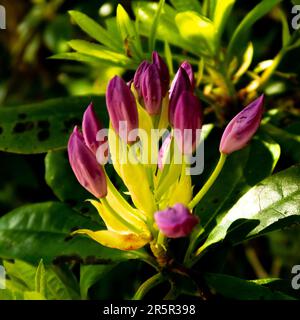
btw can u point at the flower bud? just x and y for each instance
(242, 127)
(189, 71)
(90, 127)
(163, 72)
(121, 106)
(176, 222)
(138, 76)
(151, 90)
(187, 119)
(180, 83)
(85, 167)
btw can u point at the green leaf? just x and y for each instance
(40, 279)
(41, 231)
(152, 36)
(185, 5)
(44, 126)
(78, 57)
(239, 289)
(197, 29)
(131, 39)
(61, 179)
(21, 274)
(286, 35)
(289, 142)
(270, 205)
(100, 52)
(56, 289)
(242, 171)
(255, 14)
(166, 29)
(33, 295)
(221, 14)
(89, 275)
(94, 30)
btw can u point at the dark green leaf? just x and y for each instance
(152, 36)
(242, 171)
(41, 231)
(44, 126)
(89, 275)
(270, 205)
(255, 14)
(289, 142)
(239, 289)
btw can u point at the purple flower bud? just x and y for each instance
(162, 151)
(181, 82)
(137, 80)
(85, 167)
(163, 72)
(188, 69)
(121, 106)
(151, 90)
(187, 119)
(176, 222)
(90, 127)
(242, 127)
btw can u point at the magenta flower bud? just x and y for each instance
(137, 80)
(187, 122)
(176, 222)
(163, 72)
(189, 71)
(121, 107)
(180, 83)
(85, 167)
(90, 127)
(151, 90)
(162, 151)
(242, 127)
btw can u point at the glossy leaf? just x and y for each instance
(239, 289)
(89, 275)
(44, 126)
(152, 36)
(100, 52)
(255, 14)
(180, 5)
(94, 30)
(42, 231)
(131, 39)
(270, 205)
(241, 172)
(166, 29)
(197, 29)
(289, 142)
(221, 14)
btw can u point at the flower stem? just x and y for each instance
(209, 182)
(148, 285)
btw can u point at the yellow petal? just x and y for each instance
(121, 241)
(134, 175)
(119, 221)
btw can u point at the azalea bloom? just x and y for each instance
(161, 192)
